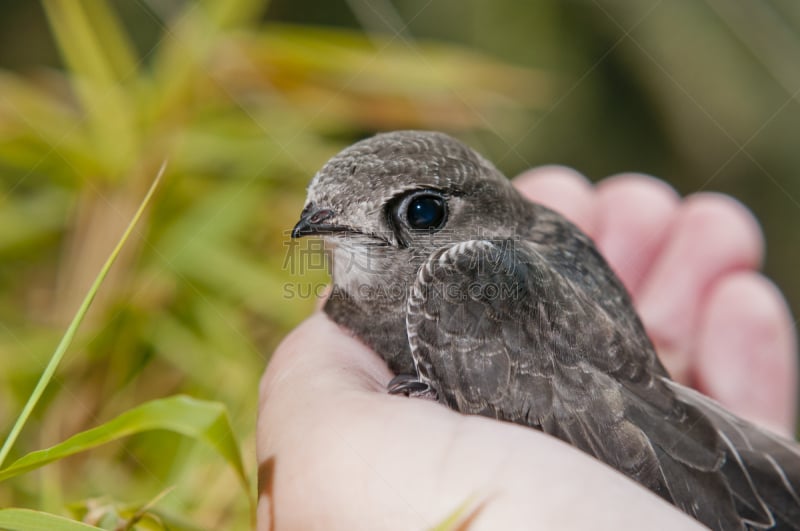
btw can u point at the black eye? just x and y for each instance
(426, 211)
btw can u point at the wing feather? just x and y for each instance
(495, 330)
(762, 468)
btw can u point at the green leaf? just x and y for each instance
(120, 53)
(28, 520)
(235, 12)
(199, 419)
(461, 517)
(69, 335)
(90, 55)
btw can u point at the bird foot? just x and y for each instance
(410, 385)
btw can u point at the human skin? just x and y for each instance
(336, 451)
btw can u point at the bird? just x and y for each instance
(497, 306)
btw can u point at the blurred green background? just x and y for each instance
(247, 99)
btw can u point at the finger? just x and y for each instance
(328, 433)
(712, 235)
(562, 189)
(746, 351)
(347, 364)
(634, 214)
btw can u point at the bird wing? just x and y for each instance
(762, 468)
(495, 330)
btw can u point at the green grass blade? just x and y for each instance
(89, 55)
(118, 49)
(69, 335)
(235, 12)
(28, 520)
(199, 419)
(461, 518)
(83, 53)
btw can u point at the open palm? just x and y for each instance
(337, 452)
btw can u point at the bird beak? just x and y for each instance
(312, 221)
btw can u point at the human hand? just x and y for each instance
(336, 451)
(690, 265)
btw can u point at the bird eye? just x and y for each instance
(426, 211)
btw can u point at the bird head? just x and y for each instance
(388, 202)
